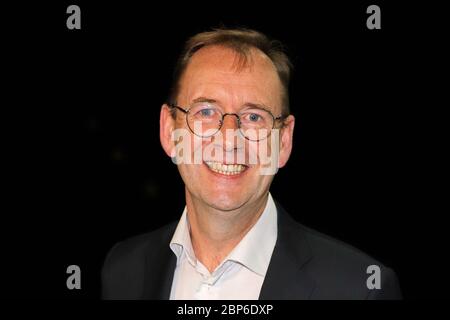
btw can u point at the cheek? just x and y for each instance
(252, 153)
(265, 152)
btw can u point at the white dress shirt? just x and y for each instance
(239, 276)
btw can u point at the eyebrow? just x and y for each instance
(245, 105)
(203, 99)
(256, 105)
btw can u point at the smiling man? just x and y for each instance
(227, 125)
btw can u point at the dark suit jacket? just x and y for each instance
(304, 265)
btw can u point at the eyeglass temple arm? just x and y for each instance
(171, 105)
(281, 117)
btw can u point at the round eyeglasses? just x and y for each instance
(205, 119)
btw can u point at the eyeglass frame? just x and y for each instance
(186, 112)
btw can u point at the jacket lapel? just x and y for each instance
(160, 266)
(286, 277)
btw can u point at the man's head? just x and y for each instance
(240, 74)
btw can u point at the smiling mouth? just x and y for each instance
(226, 169)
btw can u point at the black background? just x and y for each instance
(84, 167)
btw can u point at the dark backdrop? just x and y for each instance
(82, 140)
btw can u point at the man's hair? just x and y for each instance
(241, 41)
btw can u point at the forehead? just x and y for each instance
(218, 72)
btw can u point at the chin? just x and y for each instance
(226, 203)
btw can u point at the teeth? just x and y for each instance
(226, 169)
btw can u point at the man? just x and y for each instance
(233, 240)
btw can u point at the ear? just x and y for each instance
(166, 127)
(286, 139)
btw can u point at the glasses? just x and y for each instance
(205, 119)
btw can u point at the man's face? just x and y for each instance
(213, 75)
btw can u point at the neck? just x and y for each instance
(214, 233)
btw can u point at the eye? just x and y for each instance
(253, 117)
(207, 112)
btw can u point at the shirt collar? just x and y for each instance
(181, 240)
(255, 249)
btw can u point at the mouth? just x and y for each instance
(226, 169)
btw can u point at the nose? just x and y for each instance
(230, 122)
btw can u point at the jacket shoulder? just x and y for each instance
(124, 266)
(333, 250)
(341, 270)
